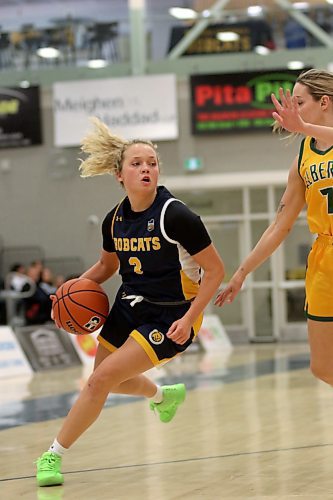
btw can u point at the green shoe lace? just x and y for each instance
(48, 469)
(173, 396)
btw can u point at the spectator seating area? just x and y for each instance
(75, 41)
(27, 278)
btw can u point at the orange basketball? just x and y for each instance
(81, 306)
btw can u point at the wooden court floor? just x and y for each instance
(255, 425)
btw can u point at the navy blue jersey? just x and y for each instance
(155, 246)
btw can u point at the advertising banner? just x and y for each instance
(13, 362)
(237, 101)
(142, 107)
(86, 346)
(47, 347)
(20, 120)
(212, 334)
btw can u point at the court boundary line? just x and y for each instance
(182, 460)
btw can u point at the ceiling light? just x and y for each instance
(97, 63)
(227, 36)
(48, 52)
(329, 1)
(24, 84)
(183, 13)
(301, 5)
(254, 10)
(295, 65)
(261, 50)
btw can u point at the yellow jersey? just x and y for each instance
(316, 169)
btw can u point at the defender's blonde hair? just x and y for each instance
(105, 151)
(319, 82)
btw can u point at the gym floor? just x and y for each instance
(255, 425)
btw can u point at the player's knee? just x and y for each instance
(103, 381)
(322, 371)
(98, 386)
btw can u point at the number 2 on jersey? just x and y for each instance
(134, 261)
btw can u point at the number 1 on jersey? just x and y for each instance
(329, 193)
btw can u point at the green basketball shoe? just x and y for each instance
(173, 396)
(48, 469)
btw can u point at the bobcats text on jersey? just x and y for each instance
(137, 244)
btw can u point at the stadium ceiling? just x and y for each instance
(198, 5)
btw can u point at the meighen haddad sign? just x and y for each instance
(142, 107)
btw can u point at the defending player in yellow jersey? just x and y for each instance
(308, 111)
(315, 167)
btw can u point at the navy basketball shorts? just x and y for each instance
(147, 324)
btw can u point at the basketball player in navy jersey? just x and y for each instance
(159, 247)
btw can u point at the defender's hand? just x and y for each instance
(228, 294)
(287, 112)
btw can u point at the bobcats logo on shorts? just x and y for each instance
(92, 323)
(156, 337)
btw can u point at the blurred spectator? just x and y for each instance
(295, 35)
(38, 306)
(16, 280)
(59, 280)
(47, 282)
(38, 266)
(17, 277)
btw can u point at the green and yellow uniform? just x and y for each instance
(316, 169)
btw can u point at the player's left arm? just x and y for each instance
(213, 274)
(198, 244)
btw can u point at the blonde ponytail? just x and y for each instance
(104, 150)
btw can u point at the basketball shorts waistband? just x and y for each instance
(135, 299)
